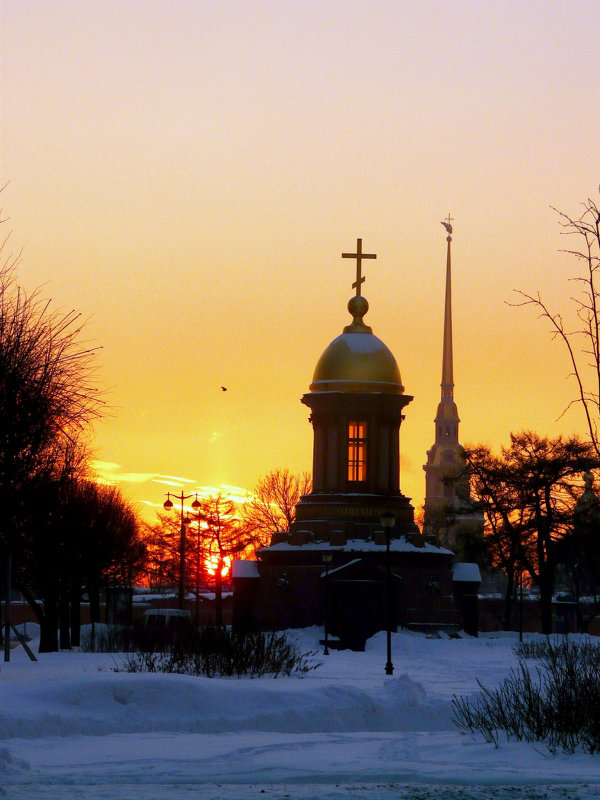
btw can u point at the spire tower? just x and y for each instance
(447, 361)
(445, 469)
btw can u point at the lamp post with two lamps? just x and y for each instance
(387, 521)
(185, 521)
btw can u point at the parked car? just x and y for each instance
(161, 627)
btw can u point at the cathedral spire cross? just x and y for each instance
(447, 223)
(359, 255)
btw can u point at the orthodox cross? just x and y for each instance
(359, 255)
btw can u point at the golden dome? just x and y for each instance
(357, 361)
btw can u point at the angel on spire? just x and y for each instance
(448, 224)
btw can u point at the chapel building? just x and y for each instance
(354, 548)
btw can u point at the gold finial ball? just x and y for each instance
(358, 306)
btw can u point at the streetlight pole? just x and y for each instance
(387, 521)
(185, 521)
(197, 600)
(198, 552)
(326, 558)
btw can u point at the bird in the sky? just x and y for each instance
(224, 388)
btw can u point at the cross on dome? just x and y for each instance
(359, 255)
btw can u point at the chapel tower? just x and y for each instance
(446, 480)
(356, 400)
(354, 556)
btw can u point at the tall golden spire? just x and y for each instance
(447, 495)
(447, 358)
(445, 458)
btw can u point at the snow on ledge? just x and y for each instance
(400, 545)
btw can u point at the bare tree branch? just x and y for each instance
(582, 343)
(273, 504)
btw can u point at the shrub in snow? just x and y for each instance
(220, 652)
(558, 704)
(102, 638)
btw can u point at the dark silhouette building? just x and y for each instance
(337, 558)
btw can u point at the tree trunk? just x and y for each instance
(94, 595)
(546, 576)
(49, 624)
(546, 581)
(508, 602)
(219, 594)
(64, 617)
(75, 617)
(546, 607)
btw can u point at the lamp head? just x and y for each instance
(387, 520)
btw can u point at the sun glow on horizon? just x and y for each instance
(211, 323)
(110, 473)
(212, 565)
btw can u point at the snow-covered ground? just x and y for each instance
(71, 727)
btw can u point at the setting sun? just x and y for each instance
(212, 565)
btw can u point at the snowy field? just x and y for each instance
(73, 728)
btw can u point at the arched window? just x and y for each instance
(357, 451)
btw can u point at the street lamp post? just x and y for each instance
(197, 554)
(185, 521)
(326, 559)
(387, 521)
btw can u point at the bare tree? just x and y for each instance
(579, 555)
(582, 342)
(273, 504)
(506, 534)
(527, 495)
(79, 537)
(216, 534)
(162, 541)
(226, 537)
(48, 398)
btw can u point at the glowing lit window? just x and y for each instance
(357, 451)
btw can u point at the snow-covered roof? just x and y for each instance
(245, 569)
(401, 545)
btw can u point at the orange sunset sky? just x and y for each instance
(187, 174)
